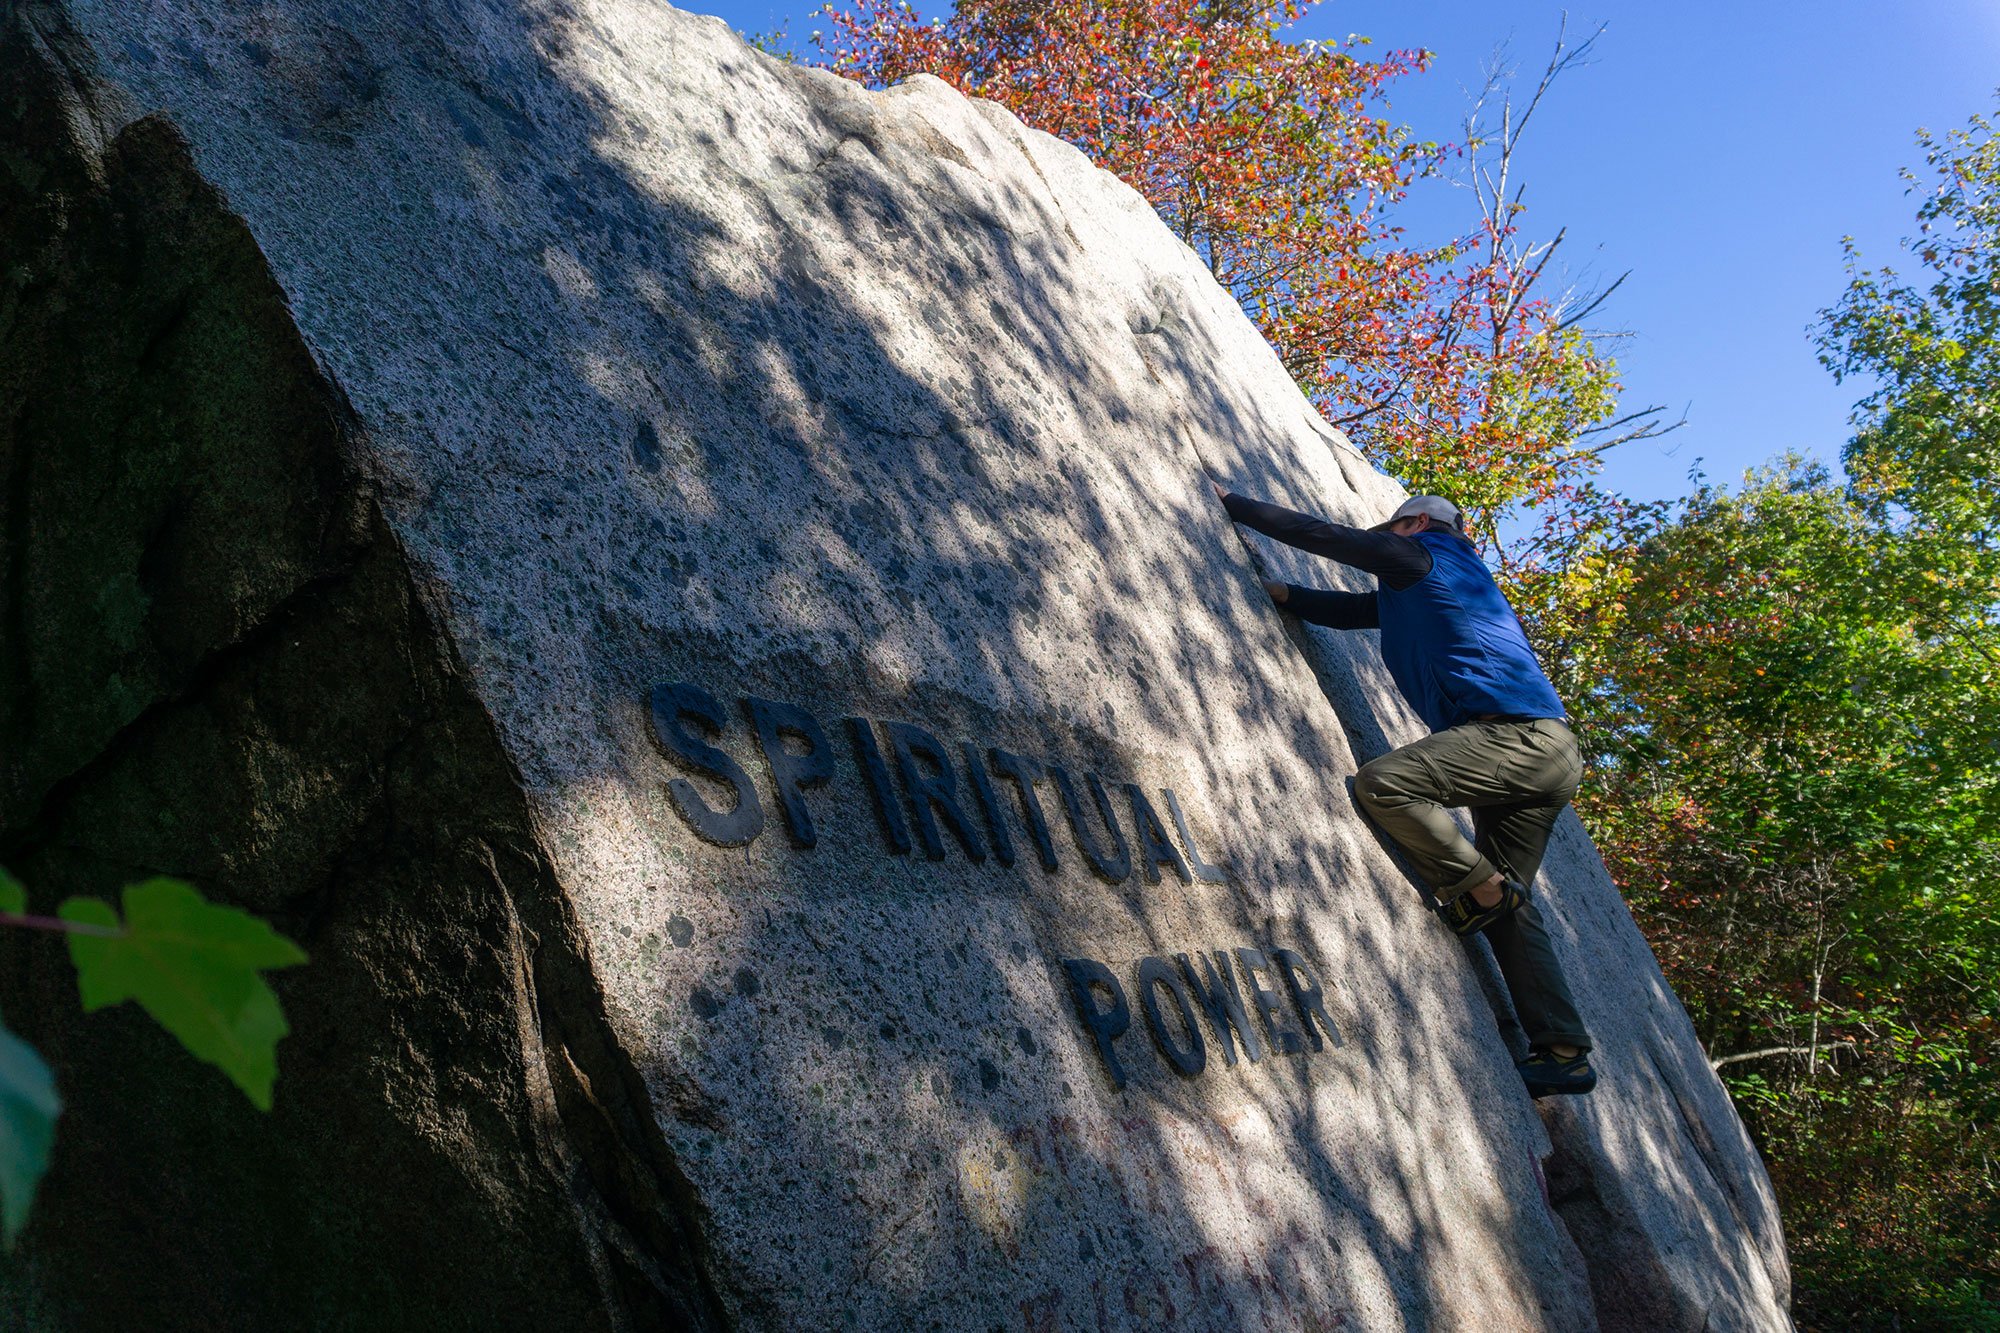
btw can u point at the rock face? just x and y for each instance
(689, 588)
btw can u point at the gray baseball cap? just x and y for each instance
(1440, 509)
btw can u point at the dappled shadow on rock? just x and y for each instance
(645, 359)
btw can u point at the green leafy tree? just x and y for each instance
(195, 967)
(1791, 698)
(1926, 453)
(1797, 785)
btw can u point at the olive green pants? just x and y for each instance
(1515, 777)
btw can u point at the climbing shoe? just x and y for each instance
(1548, 1074)
(1466, 917)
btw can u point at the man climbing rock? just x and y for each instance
(1499, 744)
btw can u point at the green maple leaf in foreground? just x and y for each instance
(194, 967)
(28, 1106)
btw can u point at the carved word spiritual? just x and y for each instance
(687, 719)
(1210, 989)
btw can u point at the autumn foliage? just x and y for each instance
(1272, 161)
(1787, 693)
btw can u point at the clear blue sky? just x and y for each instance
(1719, 152)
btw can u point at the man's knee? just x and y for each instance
(1397, 780)
(1377, 785)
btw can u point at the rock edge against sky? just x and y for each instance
(428, 429)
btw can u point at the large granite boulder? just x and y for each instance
(689, 588)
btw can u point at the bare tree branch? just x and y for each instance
(1518, 288)
(1740, 1056)
(1595, 301)
(1524, 265)
(1651, 430)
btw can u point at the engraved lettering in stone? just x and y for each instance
(869, 755)
(932, 790)
(1283, 1038)
(1203, 871)
(1115, 865)
(686, 719)
(1155, 847)
(1204, 983)
(1086, 977)
(1223, 1003)
(1025, 774)
(1190, 1056)
(989, 804)
(671, 705)
(1307, 996)
(791, 773)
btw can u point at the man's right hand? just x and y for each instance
(1279, 592)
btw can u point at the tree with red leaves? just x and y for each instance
(1451, 364)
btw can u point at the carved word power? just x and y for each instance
(1204, 984)
(934, 802)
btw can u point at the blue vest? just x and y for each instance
(1455, 648)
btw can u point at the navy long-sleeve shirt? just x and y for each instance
(1451, 642)
(1398, 561)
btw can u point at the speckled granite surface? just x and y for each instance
(671, 365)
